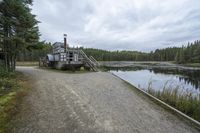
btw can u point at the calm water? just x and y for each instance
(186, 80)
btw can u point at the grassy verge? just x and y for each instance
(186, 102)
(12, 90)
(192, 64)
(187, 64)
(27, 63)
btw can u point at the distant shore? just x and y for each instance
(149, 64)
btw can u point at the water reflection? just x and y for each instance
(187, 80)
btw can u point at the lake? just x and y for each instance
(160, 77)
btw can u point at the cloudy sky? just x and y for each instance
(119, 24)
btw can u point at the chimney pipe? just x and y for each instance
(65, 42)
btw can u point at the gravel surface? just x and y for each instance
(89, 103)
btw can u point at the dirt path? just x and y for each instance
(90, 103)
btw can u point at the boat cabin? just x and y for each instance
(64, 57)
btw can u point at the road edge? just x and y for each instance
(192, 122)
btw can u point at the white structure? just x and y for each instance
(64, 57)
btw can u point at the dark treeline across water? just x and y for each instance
(184, 54)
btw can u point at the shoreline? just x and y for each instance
(186, 118)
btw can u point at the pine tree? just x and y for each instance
(182, 56)
(177, 58)
(18, 28)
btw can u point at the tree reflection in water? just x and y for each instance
(191, 77)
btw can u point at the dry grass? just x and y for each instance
(192, 64)
(28, 63)
(184, 101)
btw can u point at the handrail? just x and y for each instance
(94, 60)
(88, 61)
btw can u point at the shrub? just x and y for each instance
(7, 81)
(4, 73)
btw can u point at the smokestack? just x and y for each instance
(65, 42)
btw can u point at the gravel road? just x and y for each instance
(95, 102)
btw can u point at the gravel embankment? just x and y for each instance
(89, 103)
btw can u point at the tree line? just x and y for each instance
(18, 30)
(104, 55)
(184, 54)
(36, 52)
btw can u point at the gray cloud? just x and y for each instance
(119, 24)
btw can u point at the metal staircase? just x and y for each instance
(90, 62)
